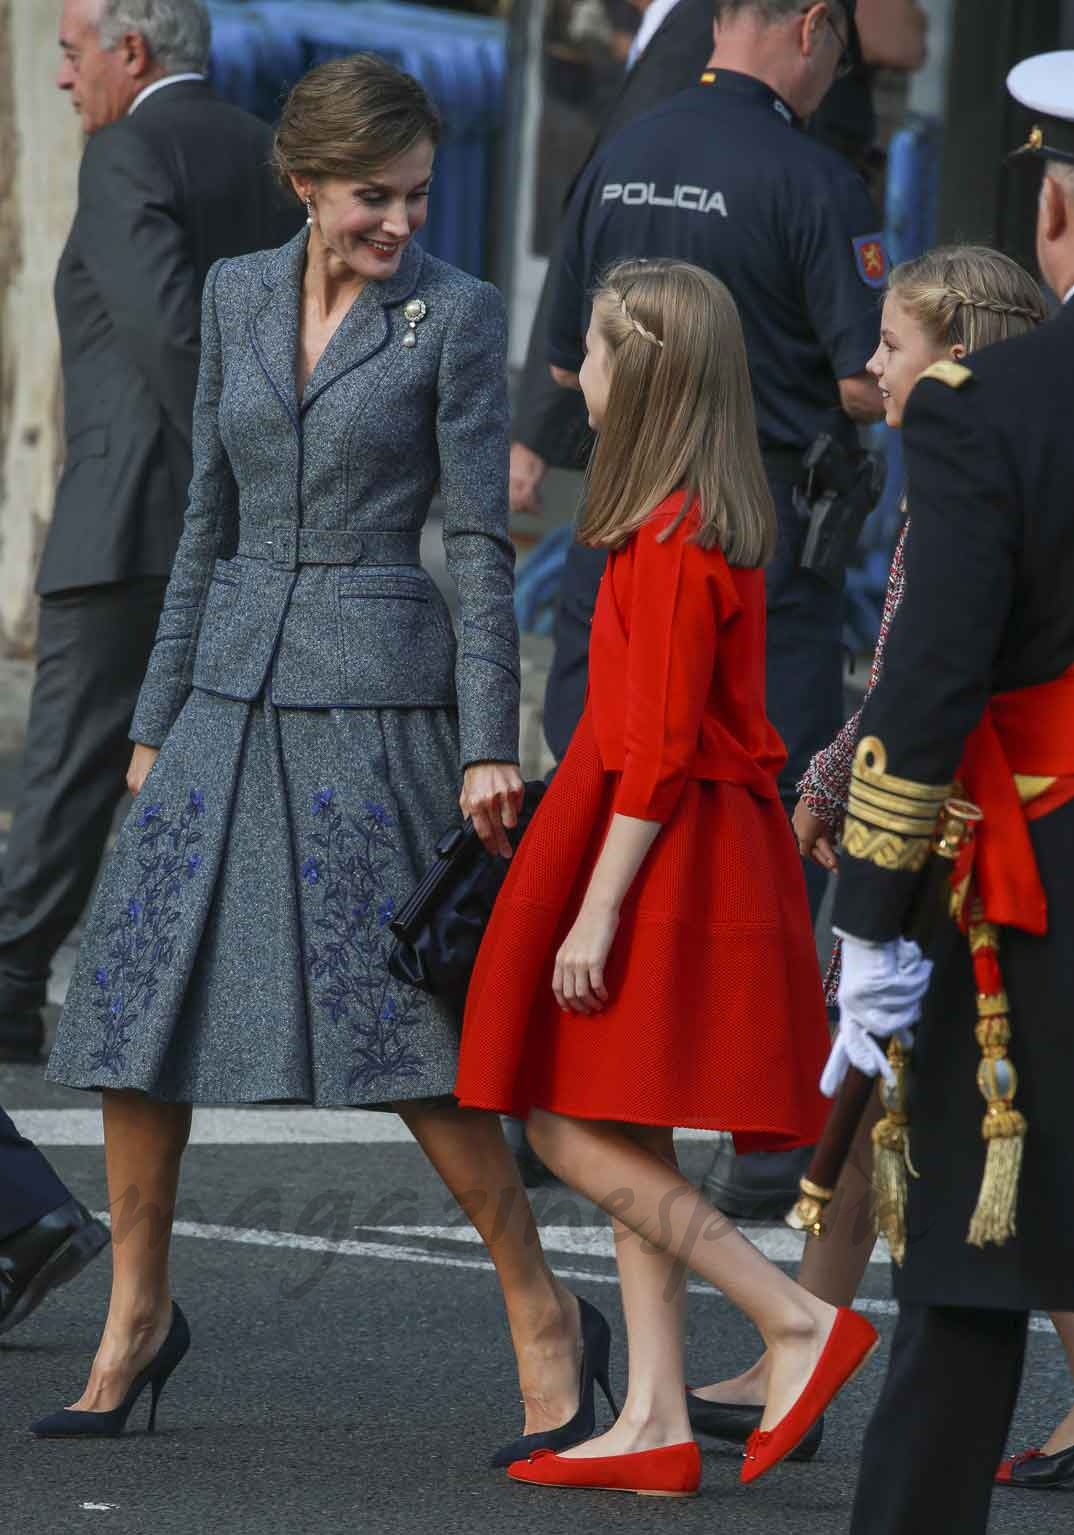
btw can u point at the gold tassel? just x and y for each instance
(891, 1156)
(1003, 1127)
(994, 1219)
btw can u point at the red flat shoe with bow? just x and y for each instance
(671, 1472)
(850, 1343)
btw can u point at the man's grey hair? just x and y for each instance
(176, 32)
(771, 10)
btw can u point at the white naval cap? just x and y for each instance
(1045, 85)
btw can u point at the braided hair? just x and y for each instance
(968, 295)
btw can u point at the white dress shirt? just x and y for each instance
(158, 85)
(654, 15)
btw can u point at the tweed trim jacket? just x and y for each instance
(295, 571)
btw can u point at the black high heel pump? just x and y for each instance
(596, 1350)
(71, 1424)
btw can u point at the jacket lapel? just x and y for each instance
(365, 329)
(274, 330)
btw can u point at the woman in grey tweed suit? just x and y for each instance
(307, 716)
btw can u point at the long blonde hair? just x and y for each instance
(968, 295)
(679, 413)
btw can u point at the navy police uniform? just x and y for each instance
(722, 176)
(986, 615)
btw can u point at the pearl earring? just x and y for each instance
(309, 211)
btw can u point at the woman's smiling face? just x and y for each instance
(368, 223)
(906, 349)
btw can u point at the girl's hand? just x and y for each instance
(492, 797)
(814, 837)
(578, 981)
(142, 760)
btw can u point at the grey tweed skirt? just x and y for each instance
(236, 949)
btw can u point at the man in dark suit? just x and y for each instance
(171, 179)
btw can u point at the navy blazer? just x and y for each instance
(298, 567)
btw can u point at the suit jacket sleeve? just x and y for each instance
(137, 254)
(671, 653)
(552, 422)
(472, 429)
(211, 509)
(961, 557)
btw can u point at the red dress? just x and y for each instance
(716, 1017)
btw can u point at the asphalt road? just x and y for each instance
(363, 1389)
(350, 1368)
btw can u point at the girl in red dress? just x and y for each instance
(650, 961)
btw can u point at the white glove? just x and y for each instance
(880, 995)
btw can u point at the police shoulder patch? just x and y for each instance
(953, 374)
(871, 256)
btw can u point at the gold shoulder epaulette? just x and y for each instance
(953, 374)
(890, 821)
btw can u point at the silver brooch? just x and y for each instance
(414, 311)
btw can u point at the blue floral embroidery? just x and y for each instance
(141, 943)
(348, 965)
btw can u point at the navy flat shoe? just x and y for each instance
(596, 1350)
(735, 1422)
(1033, 1470)
(71, 1424)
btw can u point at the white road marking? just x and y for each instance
(229, 1127)
(246, 1127)
(777, 1243)
(390, 1253)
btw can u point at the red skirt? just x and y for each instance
(716, 1017)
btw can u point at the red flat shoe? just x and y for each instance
(849, 1345)
(671, 1472)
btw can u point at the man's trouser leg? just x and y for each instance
(29, 1188)
(804, 662)
(93, 646)
(938, 1432)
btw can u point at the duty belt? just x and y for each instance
(287, 546)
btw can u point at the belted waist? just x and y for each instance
(1025, 733)
(287, 546)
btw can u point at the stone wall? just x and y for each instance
(40, 146)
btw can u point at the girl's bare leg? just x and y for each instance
(638, 1188)
(654, 1303)
(144, 1142)
(1062, 1437)
(831, 1267)
(467, 1148)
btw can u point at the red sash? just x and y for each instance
(1030, 732)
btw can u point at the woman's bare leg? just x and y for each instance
(641, 1190)
(468, 1149)
(831, 1267)
(1062, 1437)
(144, 1142)
(654, 1303)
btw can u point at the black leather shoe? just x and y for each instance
(760, 1186)
(735, 1423)
(44, 1256)
(22, 1035)
(1031, 1469)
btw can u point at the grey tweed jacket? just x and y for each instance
(298, 568)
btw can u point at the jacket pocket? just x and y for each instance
(90, 442)
(216, 620)
(398, 644)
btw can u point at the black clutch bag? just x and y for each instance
(439, 929)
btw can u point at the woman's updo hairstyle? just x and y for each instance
(349, 118)
(968, 295)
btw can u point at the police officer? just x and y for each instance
(978, 687)
(723, 176)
